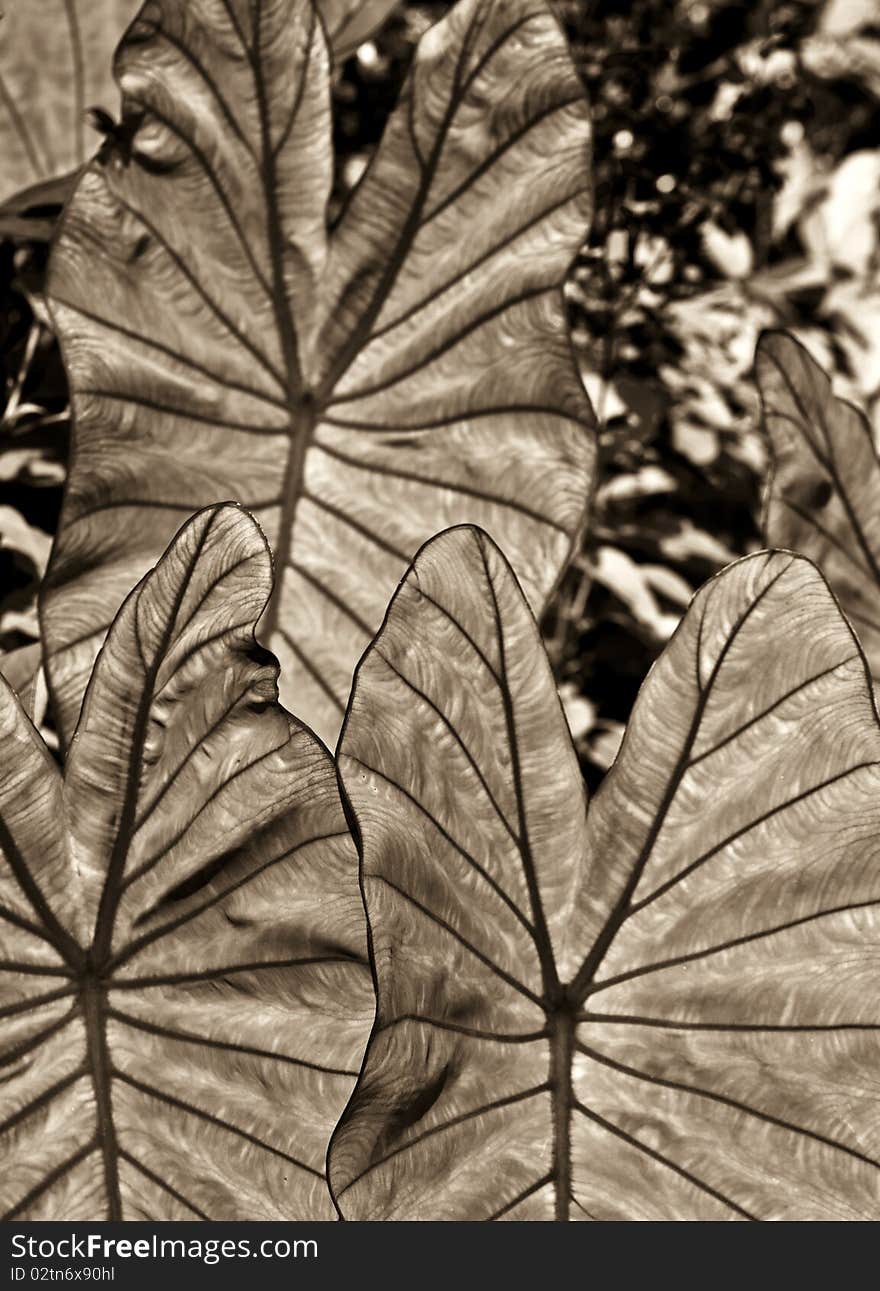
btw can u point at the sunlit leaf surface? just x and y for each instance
(183, 988)
(660, 1007)
(55, 63)
(823, 497)
(359, 389)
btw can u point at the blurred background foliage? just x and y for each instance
(737, 187)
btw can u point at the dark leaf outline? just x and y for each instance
(824, 483)
(184, 985)
(360, 387)
(55, 63)
(350, 23)
(659, 1008)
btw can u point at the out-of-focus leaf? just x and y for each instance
(29, 547)
(359, 390)
(840, 17)
(668, 583)
(55, 63)
(698, 444)
(350, 23)
(730, 253)
(623, 576)
(53, 191)
(854, 308)
(23, 671)
(19, 217)
(580, 713)
(656, 258)
(823, 493)
(20, 619)
(19, 228)
(801, 177)
(687, 542)
(854, 58)
(604, 743)
(841, 231)
(645, 482)
(184, 991)
(711, 385)
(779, 281)
(765, 65)
(604, 396)
(31, 458)
(16, 533)
(662, 1008)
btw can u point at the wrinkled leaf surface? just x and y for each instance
(184, 991)
(660, 1007)
(823, 496)
(357, 390)
(55, 63)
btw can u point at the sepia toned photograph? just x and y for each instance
(439, 612)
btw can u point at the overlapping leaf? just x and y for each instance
(660, 1008)
(349, 23)
(823, 496)
(23, 670)
(358, 390)
(184, 990)
(55, 63)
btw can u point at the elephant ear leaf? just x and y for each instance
(660, 1007)
(824, 488)
(185, 995)
(357, 389)
(55, 64)
(349, 23)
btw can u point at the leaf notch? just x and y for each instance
(654, 1009)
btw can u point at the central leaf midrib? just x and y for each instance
(93, 1002)
(563, 1008)
(93, 998)
(112, 889)
(556, 999)
(561, 1053)
(622, 908)
(301, 406)
(428, 169)
(306, 406)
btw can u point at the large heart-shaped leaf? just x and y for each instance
(823, 494)
(663, 1008)
(358, 390)
(55, 62)
(185, 996)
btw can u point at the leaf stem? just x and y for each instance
(561, 1049)
(94, 1006)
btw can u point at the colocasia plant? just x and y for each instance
(656, 1007)
(357, 388)
(823, 491)
(431, 981)
(185, 988)
(57, 78)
